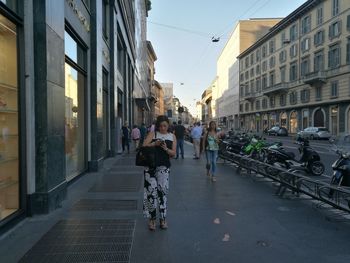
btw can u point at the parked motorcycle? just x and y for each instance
(341, 167)
(257, 148)
(309, 163)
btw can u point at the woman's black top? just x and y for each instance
(162, 158)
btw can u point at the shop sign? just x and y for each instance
(79, 14)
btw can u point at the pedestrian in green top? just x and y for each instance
(211, 146)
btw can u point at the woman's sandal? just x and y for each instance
(163, 224)
(152, 225)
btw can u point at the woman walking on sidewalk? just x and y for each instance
(211, 146)
(156, 184)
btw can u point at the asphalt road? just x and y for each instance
(322, 147)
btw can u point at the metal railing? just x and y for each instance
(294, 181)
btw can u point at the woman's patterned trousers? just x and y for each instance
(156, 187)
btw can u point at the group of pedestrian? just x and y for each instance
(137, 135)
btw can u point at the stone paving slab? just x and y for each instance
(235, 219)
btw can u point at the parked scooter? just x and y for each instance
(341, 167)
(309, 163)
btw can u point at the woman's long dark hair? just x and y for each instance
(209, 127)
(159, 120)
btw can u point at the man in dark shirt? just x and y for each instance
(179, 132)
(126, 137)
(143, 131)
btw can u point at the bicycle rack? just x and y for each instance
(293, 181)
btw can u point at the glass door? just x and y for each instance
(9, 162)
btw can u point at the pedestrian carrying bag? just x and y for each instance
(146, 157)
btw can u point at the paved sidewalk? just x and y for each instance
(235, 219)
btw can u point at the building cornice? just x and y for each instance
(290, 19)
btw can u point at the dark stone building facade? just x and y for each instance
(67, 83)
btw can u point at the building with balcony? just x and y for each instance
(225, 86)
(298, 74)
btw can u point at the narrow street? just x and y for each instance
(235, 219)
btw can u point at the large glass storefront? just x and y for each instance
(9, 147)
(75, 105)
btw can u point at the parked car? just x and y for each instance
(278, 131)
(315, 133)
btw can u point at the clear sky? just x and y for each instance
(181, 32)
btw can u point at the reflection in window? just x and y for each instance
(74, 121)
(74, 107)
(9, 163)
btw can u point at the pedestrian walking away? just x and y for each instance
(196, 135)
(211, 146)
(179, 132)
(143, 133)
(125, 137)
(156, 179)
(135, 136)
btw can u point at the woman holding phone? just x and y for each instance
(156, 180)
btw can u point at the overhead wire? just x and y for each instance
(190, 31)
(229, 27)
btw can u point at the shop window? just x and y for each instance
(75, 78)
(9, 117)
(305, 119)
(293, 123)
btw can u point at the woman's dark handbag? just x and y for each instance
(146, 157)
